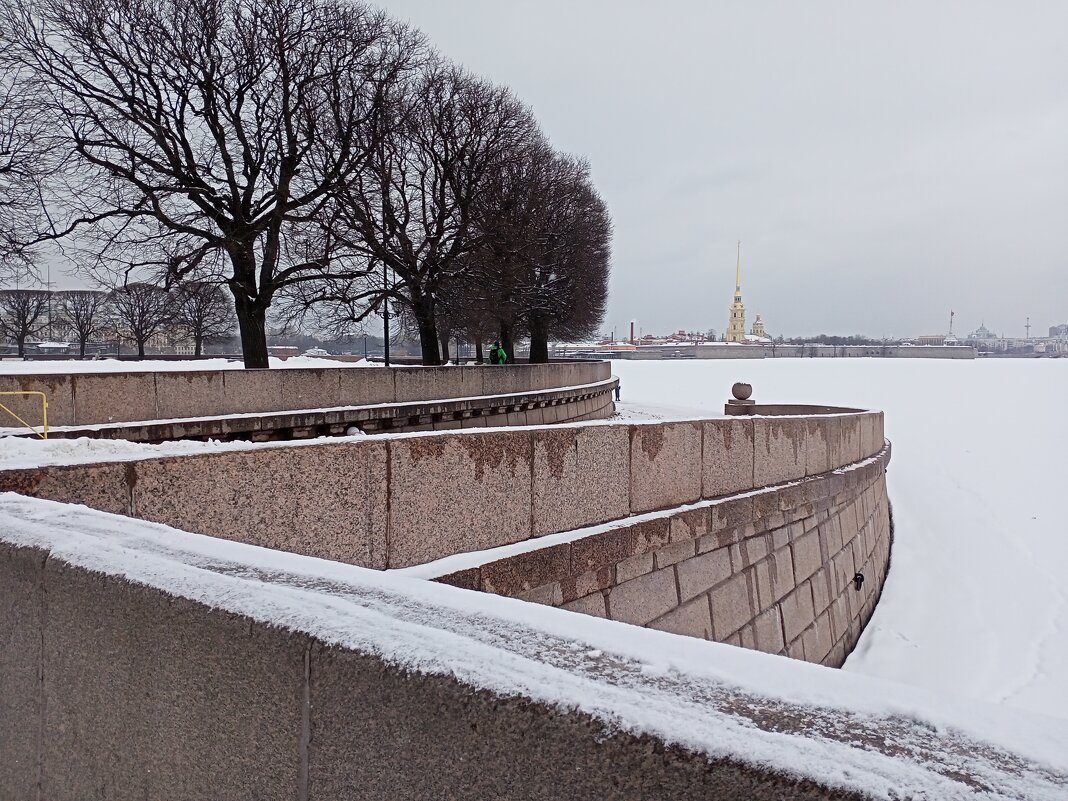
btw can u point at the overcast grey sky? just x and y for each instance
(882, 163)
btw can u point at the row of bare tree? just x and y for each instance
(315, 157)
(137, 312)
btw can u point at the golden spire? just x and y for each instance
(738, 272)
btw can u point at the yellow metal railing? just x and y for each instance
(43, 433)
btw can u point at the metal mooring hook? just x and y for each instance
(858, 581)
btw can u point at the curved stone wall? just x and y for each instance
(97, 398)
(401, 500)
(772, 569)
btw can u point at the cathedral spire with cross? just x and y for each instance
(736, 326)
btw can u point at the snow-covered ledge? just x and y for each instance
(138, 661)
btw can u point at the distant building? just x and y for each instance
(758, 329)
(1059, 331)
(736, 325)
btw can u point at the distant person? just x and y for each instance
(497, 354)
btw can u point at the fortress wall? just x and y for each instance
(95, 398)
(396, 501)
(771, 570)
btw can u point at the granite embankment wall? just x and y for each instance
(772, 570)
(401, 500)
(139, 663)
(94, 398)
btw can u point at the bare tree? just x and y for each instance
(411, 209)
(204, 313)
(142, 311)
(545, 264)
(208, 137)
(85, 313)
(23, 156)
(23, 314)
(566, 289)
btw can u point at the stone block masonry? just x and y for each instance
(772, 570)
(397, 501)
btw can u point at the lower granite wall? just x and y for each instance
(111, 690)
(772, 570)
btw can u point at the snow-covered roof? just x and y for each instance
(837, 728)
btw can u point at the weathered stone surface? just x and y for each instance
(665, 465)
(468, 579)
(450, 494)
(767, 629)
(114, 397)
(820, 437)
(182, 394)
(525, 571)
(731, 513)
(692, 619)
(580, 477)
(645, 598)
(105, 487)
(779, 450)
(572, 587)
(691, 524)
(727, 463)
(592, 604)
(634, 566)
(701, 573)
(361, 387)
(311, 389)
(807, 557)
(850, 441)
(253, 390)
(420, 383)
(817, 640)
(616, 544)
(22, 620)
(153, 696)
(775, 577)
(797, 612)
(59, 392)
(749, 551)
(228, 495)
(675, 552)
(731, 606)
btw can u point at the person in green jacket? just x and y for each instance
(497, 354)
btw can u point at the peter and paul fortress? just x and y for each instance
(736, 326)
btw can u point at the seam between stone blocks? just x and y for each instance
(304, 769)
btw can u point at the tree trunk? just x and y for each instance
(198, 346)
(81, 347)
(252, 323)
(423, 310)
(478, 350)
(506, 341)
(443, 341)
(539, 340)
(21, 342)
(140, 349)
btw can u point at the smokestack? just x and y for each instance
(631, 332)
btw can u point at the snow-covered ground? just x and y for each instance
(976, 602)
